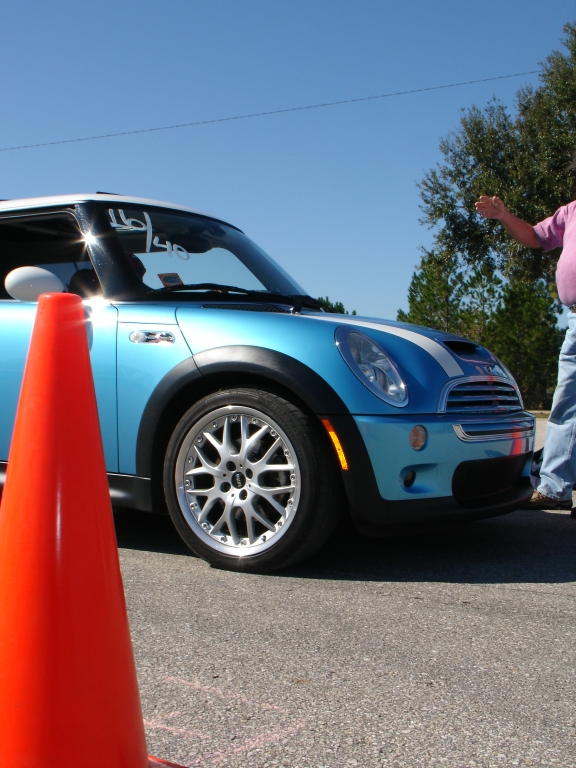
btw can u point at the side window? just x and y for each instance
(51, 241)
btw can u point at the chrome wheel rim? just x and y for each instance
(238, 480)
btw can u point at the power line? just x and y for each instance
(252, 115)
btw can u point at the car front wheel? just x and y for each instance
(249, 482)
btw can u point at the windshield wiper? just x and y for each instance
(296, 301)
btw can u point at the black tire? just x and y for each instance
(248, 481)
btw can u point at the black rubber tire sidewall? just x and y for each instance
(317, 511)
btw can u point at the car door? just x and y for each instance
(53, 241)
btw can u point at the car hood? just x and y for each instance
(427, 358)
(428, 339)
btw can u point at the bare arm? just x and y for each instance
(520, 230)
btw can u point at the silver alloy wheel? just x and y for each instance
(237, 480)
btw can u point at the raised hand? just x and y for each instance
(491, 207)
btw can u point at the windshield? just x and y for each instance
(172, 251)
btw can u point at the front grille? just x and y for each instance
(481, 395)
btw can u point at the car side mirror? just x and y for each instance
(27, 283)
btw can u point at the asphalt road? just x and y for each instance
(445, 647)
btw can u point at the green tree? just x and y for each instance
(482, 290)
(435, 294)
(523, 333)
(333, 306)
(452, 296)
(522, 157)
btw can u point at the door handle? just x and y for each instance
(152, 337)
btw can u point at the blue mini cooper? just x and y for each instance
(228, 398)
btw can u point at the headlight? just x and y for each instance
(372, 365)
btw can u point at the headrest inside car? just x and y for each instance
(27, 283)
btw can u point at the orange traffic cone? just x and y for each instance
(68, 690)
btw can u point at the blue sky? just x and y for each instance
(330, 193)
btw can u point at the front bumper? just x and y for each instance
(468, 468)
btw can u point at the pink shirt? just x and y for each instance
(559, 231)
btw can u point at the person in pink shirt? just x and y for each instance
(558, 470)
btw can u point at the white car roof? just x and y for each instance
(26, 203)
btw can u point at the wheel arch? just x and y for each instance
(221, 368)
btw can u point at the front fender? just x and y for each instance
(230, 366)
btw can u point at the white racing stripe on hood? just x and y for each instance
(436, 350)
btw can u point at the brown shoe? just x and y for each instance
(540, 501)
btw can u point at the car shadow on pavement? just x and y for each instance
(148, 532)
(525, 546)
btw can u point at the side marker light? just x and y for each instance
(336, 443)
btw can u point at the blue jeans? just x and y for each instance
(558, 471)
